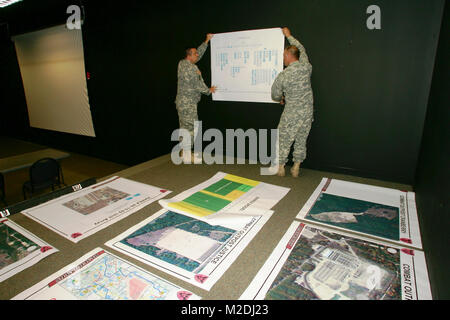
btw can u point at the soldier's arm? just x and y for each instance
(201, 86)
(294, 42)
(202, 48)
(277, 89)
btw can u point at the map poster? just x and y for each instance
(100, 275)
(80, 214)
(244, 64)
(187, 248)
(315, 263)
(226, 200)
(19, 249)
(383, 213)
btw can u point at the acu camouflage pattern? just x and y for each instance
(190, 88)
(294, 83)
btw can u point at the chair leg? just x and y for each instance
(62, 177)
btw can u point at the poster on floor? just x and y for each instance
(82, 213)
(226, 200)
(383, 213)
(316, 263)
(100, 275)
(185, 247)
(19, 249)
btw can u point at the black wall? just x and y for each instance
(433, 172)
(370, 86)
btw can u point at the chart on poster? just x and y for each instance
(244, 64)
(226, 200)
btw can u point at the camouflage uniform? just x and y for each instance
(294, 83)
(190, 88)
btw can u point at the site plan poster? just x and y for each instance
(19, 249)
(315, 263)
(185, 247)
(100, 275)
(226, 200)
(82, 213)
(244, 64)
(383, 213)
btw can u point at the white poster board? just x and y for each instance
(100, 275)
(189, 249)
(384, 213)
(226, 200)
(19, 249)
(244, 64)
(312, 263)
(82, 213)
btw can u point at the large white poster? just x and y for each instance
(244, 64)
(314, 263)
(80, 214)
(187, 248)
(226, 200)
(100, 275)
(19, 249)
(384, 213)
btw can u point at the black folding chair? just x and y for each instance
(44, 173)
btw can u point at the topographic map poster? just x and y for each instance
(312, 263)
(244, 64)
(185, 247)
(383, 213)
(226, 200)
(82, 213)
(100, 275)
(19, 249)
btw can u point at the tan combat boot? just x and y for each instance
(295, 169)
(281, 172)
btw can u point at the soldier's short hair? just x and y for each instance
(188, 51)
(294, 51)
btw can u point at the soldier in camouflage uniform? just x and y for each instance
(190, 88)
(292, 87)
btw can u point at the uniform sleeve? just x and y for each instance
(201, 86)
(277, 88)
(202, 49)
(303, 56)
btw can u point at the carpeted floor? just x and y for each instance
(162, 172)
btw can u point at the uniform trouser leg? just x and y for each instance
(187, 115)
(299, 153)
(295, 124)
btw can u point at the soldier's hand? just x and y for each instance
(282, 101)
(212, 89)
(286, 32)
(209, 37)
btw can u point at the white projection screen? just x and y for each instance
(244, 64)
(52, 66)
